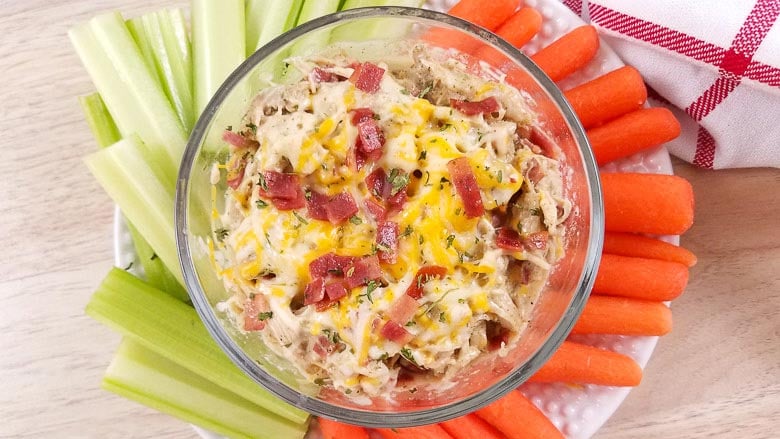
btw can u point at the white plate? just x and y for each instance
(577, 411)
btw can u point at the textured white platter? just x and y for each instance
(577, 411)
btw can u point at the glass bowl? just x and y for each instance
(382, 31)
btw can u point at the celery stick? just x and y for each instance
(172, 329)
(155, 272)
(352, 4)
(138, 31)
(218, 45)
(99, 120)
(131, 92)
(312, 9)
(374, 29)
(146, 377)
(171, 47)
(267, 19)
(125, 174)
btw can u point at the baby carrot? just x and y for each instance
(640, 278)
(489, 14)
(638, 246)
(647, 203)
(337, 430)
(608, 96)
(518, 418)
(521, 26)
(568, 53)
(471, 426)
(582, 364)
(432, 431)
(633, 132)
(621, 315)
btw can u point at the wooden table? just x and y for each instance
(716, 375)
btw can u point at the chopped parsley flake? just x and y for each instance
(300, 218)
(449, 240)
(406, 353)
(221, 233)
(265, 315)
(398, 181)
(262, 183)
(423, 155)
(261, 204)
(407, 231)
(354, 219)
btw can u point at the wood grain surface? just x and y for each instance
(716, 376)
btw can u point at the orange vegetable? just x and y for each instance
(638, 246)
(469, 427)
(621, 315)
(582, 364)
(640, 278)
(647, 203)
(518, 418)
(432, 431)
(632, 133)
(521, 27)
(490, 14)
(608, 96)
(568, 53)
(337, 430)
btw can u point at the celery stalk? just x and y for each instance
(312, 9)
(99, 120)
(146, 377)
(126, 175)
(155, 271)
(374, 29)
(218, 45)
(267, 19)
(131, 91)
(172, 329)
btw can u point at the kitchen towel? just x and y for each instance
(715, 63)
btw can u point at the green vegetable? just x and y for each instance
(173, 330)
(267, 19)
(218, 45)
(131, 92)
(155, 272)
(141, 375)
(99, 120)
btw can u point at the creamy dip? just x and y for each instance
(384, 222)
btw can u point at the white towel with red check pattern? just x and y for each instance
(716, 63)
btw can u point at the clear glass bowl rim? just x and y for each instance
(363, 417)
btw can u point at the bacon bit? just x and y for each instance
(396, 202)
(466, 186)
(235, 170)
(299, 202)
(370, 136)
(424, 274)
(536, 240)
(314, 292)
(534, 173)
(544, 142)
(315, 205)
(497, 336)
(376, 210)
(237, 140)
(330, 264)
(403, 309)
(508, 239)
(279, 185)
(377, 182)
(361, 157)
(319, 75)
(252, 309)
(361, 114)
(340, 208)
(362, 271)
(335, 290)
(396, 333)
(387, 242)
(324, 347)
(469, 108)
(367, 77)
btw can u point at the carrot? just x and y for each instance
(568, 53)
(521, 27)
(490, 14)
(640, 278)
(647, 203)
(432, 431)
(518, 418)
(608, 96)
(621, 315)
(638, 246)
(337, 430)
(469, 427)
(582, 364)
(633, 132)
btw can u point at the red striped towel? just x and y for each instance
(716, 63)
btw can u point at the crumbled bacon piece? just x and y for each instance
(315, 205)
(235, 170)
(403, 309)
(367, 77)
(335, 290)
(376, 210)
(361, 114)
(324, 347)
(536, 240)
(424, 274)
(508, 239)
(387, 242)
(314, 292)
(466, 186)
(376, 182)
(362, 271)
(279, 185)
(469, 108)
(340, 208)
(319, 75)
(370, 136)
(253, 307)
(237, 140)
(396, 333)
(544, 142)
(330, 264)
